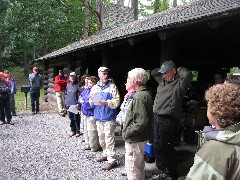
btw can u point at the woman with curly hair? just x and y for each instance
(219, 157)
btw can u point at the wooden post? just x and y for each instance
(25, 100)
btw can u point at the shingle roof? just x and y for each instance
(179, 16)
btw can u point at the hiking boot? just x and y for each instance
(101, 158)
(108, 166)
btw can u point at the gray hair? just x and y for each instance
(138, 75)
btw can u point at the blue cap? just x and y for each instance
(166, 66)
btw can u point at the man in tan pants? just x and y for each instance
(60, 87)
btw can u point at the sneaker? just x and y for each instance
(85, 147)
(72, 134)
(108, 166)
(1, 122)
(10, 122)
(96, 150)
(77, 135)
(101, 158)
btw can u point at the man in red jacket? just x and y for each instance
(60, 87)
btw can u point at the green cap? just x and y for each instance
(166, 66)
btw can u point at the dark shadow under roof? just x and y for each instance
(190, 13)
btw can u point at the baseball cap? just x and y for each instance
(72, 74)
(166, 66)
(103, 69)
(2, 74)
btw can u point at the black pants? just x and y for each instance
(5, 109)
(163, 144)
(75, 122)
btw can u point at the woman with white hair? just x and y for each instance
(138, 124)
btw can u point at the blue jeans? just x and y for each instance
(34, 95)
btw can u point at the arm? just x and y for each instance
(157, 76)
(31, 79)
(115, 101)
(202, 170)
(185, 77)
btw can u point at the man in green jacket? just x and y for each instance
(137, 128)
(173, 85)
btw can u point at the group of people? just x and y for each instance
(7, 102)
(156, 121)
(93, 102)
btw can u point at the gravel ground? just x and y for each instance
(39, 147)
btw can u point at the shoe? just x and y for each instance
(14, 114)
(108, 166)
(85, 147)
(63, 115)
(96, 150)
(10, 122)
(101, 158)
(2, 122)
(72, 134)
(77, 135)
(162, 176)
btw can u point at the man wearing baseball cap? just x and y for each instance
(173, 85)
(105, 113)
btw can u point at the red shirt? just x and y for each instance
(60, 83)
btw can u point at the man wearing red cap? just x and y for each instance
(4, 100)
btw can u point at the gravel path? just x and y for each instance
(39, 147)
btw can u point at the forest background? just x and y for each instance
(32, 28)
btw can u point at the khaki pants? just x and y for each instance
(92, 134)
(60, 102)
(107, 139)
(134, 160)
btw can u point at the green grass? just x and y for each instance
(20, 100)
(17, 73)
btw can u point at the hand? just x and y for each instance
(102, 103)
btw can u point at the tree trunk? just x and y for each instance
(99, 8)
(120, 2)
(174, 3)
(86, 20)
(45, 48)
(156, 6)
(134, 6)
(25, 63)
(1, 55)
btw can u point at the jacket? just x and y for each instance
(60, 83)
(109, 93)
(138, 123)
(12, 85)
(72, 93)
(83, 99)
(219, 157)
(168, 100)
(35, 81)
